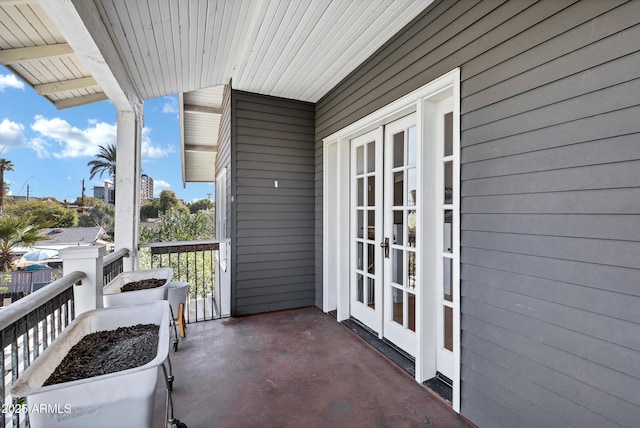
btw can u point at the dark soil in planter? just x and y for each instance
(106, 352)
(143, 284)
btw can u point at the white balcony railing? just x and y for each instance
(27, 327)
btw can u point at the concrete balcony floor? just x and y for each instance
(296, 368)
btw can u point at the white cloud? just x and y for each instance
(62, 140)
(72, 141)
(10, 81)
(159, 186)
(170, 106)
(151, 151)
(40, 146)
(11, 134)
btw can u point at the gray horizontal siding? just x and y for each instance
(620, 227)
(593, 152)
(550, 197)
(274, 227)
(523, 365)
(602, 201)
(612, 278)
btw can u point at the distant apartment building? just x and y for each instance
(107, 192)
(146, 188)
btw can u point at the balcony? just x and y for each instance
(289, 368)
(296, 368)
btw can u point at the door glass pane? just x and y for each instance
(371, 225)
(360, 160)
(371, 293)
(411, 186)
(371, 157)
(411, 307)
(371, 261)
(448, 134)
(360, 289)
(397, 304)
(398, 149)
(447, 276)
(360, 191)
(411, 269)
(411, 146)
(360, 226)
(448, 182)
(371, 191)
(397, 267)
(360, 255)
(398, 227)
(448, 328)
(411, 228)
(447, 232)
(398, 187)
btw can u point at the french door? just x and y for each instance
(391, 226)
(384, 214)
(400, 220)
(386, 207)
(366, 222)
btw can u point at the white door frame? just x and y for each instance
(336, 211)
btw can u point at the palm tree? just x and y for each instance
(105, 161)
(5, 165)
(16, 231)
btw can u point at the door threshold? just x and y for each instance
(441, 385)
(392, 352)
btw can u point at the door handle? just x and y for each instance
(385, 244)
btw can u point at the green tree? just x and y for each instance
(169, 201)
(178, 225)
(89, 201)
(149, 209)
(201, 205)
(99, 214)
(166, 202)
(16, 231)
(5, 165)
(105, 161)
(196, 267)
(44, 213)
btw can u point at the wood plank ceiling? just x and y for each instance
(33, 49)
(296, 49)
(200, 115)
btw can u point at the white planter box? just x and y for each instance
(112, 296)
(120, 399)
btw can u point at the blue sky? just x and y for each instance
(50, 148)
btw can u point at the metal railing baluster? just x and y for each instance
(193, 262)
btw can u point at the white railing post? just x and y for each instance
(88, 295)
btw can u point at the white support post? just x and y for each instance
(127, 218)
(88, 295)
